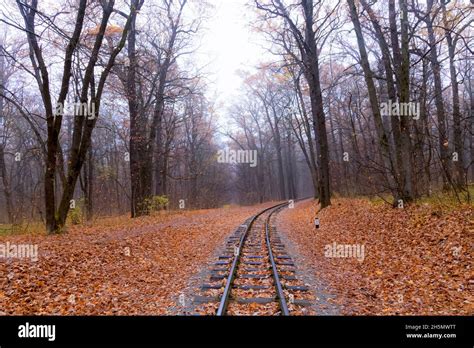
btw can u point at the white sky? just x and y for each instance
(229, 45)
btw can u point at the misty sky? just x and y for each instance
(229, 45)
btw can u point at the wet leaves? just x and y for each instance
(129, 267)
(416, 262)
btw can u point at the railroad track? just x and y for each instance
(255, 275)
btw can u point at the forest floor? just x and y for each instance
(414, 261)
(116, 267)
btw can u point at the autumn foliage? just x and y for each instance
(138, 268)
(417, 261)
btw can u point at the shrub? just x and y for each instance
(156, 203)
(75, 216)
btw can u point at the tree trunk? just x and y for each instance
(368, 75)
(6, 183)
(319, 121)
(405, 142)
(3, 168)
(443, 141)
(140, 166)
(290, 167)
(460, 177)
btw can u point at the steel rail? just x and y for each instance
(278, 287)
(230, 279)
